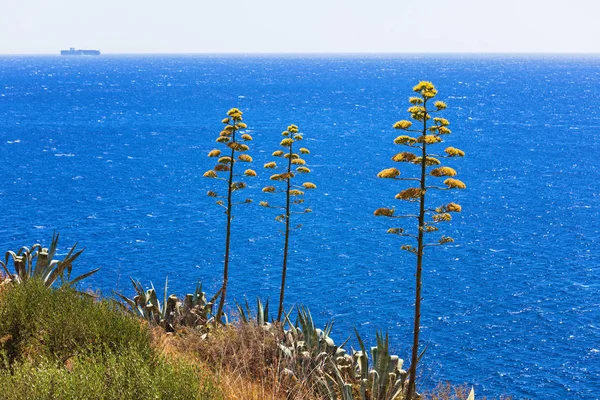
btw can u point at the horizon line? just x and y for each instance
(484, 53)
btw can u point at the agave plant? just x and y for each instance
(37, 262)
(306, 350)
(262, 313)
(194, 311)
(382, 379)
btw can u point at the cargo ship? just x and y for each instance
(73, 52)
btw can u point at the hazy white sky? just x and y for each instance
(315, 26)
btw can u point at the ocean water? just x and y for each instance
(110, 152)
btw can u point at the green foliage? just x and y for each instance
(110, 375)
(262, 313)
(38, 321)
(195, 310)
(62, 344)
(38, 262)
(379, 378)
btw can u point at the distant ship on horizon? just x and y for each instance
(73, 52)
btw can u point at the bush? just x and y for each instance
(106, 376)
(58, 324)
(62, 344)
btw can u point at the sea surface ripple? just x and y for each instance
(110, 151)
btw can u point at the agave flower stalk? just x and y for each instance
(234, 139)
(419, 139)
(294, 194)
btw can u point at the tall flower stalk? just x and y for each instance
(419, 139)
(294, 194)
(234, 139)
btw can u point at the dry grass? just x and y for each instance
(244, 357)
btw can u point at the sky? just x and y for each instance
(300, 26)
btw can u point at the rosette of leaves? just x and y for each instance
(37, 262)
(233, 138)
(430, 132)
(289, 170)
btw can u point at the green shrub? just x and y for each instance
(106, 376)
(58, 324)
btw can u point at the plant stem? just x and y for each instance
(228, 233)
(417, 319)
(287, 235)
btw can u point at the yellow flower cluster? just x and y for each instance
(441, 130)
(210, 193)
(291, 155)
(303, 170)
(404, 124)
(389, 173)
(454, 152)
(407, 140)
(298, 161)
(222, 168)
(214, 153)
(235, 114)
(236, 146)
(444, 217)
(415, 100)
(263, 204)
(443, 171)
(250, 172)
(241, 125)
(410, 194)
(453, 207)
(293, 129)
(446, 239)
(295, 192)
(245, 158)
(225, 120)
(455, 184)
(405, 156)
(429, 161)
(430, 228)
(271, 165)
(440, 105)
(278, 153)
(409, 248)
(395, 231)
(441, 121)
(210, 174)
(309, 185)
(384, 212)
(304, 150)
(246, 137)
(287, 142)
(222, 139)
(237, 186)
(225, 160)
(285, 133)
(428, 139)
(269, 189)
(426, 89)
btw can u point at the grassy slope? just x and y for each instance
(62, 344)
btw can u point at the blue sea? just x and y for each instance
(110, 151)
